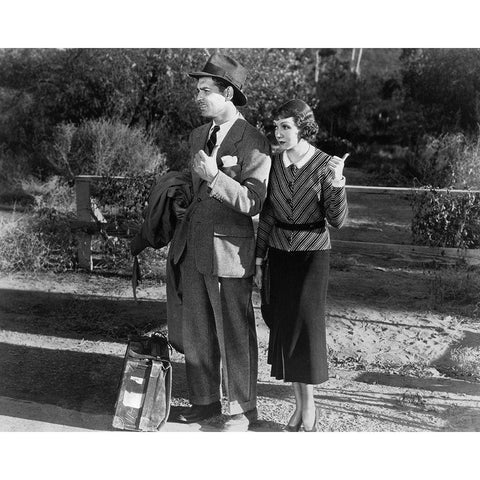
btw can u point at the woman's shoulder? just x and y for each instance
(277, 159)
(320, 159)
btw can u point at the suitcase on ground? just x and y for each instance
(143, 401)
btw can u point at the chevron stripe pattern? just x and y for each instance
(302, 195)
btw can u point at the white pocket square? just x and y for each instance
(229, 161)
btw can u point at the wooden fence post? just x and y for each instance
(84, 239)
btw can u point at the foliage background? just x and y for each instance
(409, 117)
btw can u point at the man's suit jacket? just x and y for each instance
(219, 221)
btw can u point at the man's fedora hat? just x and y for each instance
(222, 66)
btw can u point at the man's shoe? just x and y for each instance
(197, 413)
(241, 421)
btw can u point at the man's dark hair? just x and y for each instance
(221, 83)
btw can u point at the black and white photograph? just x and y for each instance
(198, 238)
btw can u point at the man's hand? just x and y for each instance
(336, 165)
(205, 166)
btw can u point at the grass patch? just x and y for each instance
(455, 286)
(41, 238)
(467, 361)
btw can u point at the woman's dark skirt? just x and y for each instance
(297, 348)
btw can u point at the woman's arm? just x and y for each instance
(264, 230)
(334, 193)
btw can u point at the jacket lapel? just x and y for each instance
(234, 136)
(228, 146)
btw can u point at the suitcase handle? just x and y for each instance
(134, 354)
(156, 351)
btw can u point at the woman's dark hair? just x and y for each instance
(302, 115)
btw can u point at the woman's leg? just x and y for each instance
(296, 418)
(308, 406)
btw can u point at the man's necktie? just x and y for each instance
(212, 140)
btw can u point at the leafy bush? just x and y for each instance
(54, 193)
(445, 219)
(12, 167)
(450, 160)
(104, 147)
(443, 88)
(122, 202)
(41, 241)
(466, 168)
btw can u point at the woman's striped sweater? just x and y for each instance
(302, 196)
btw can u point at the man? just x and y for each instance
(230, 165)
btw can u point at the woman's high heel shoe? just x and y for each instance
(315, 423)
(293, 428)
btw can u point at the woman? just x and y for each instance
(306, 188)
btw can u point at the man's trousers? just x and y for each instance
(219, 337)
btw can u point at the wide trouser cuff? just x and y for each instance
(204, 400)
(235, 407)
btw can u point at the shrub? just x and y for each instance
(442, 84)
(122, 202)
(12, 167)
(445, 219)
(449, 160)
(104, 147)
(42, 241)
(466, 168)
(55, 193)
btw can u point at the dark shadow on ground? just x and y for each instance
(448, 364)
(77, 316)
(343, 402)
(390, 408)
(433, 384)
(78, 382)
(84, 382)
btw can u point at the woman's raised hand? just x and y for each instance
(336, 165)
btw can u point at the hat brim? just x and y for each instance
(239, 97)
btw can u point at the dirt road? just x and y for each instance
(63, 338)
